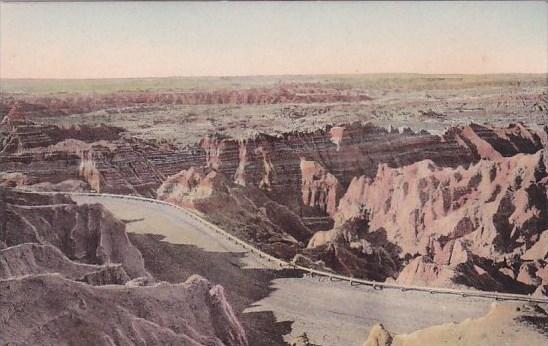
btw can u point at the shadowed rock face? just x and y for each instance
(246, 211)
(66, 273)
(85, 233)
(314, 166)
(494, 143)
(473, 188)
(285, 166)
(276, 190)
(191, 313)
(118, 164)
(494, 210)
(319, 188)
(499, 203)
(97, 156)
(31, 259)
(26, 135)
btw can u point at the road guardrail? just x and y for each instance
(284, 264)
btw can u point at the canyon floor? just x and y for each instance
(417, 180)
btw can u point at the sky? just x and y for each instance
(158, 39)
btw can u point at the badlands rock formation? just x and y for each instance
(291, 167)
(245, 211)
(36, 106)
(50, 309)
(503, 325)
(70, 275)
(463, 218)
(416, 202)
(84, 233)
(479, 187)
(33, 259)
(466, 225)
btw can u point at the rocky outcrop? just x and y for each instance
(296, 181)
(89, 172)
(301, 340)
(378, 336)
(477, 273)
(110, 274)
(245, 211)
(32, 258)
(59, 105)
(113, 163)
(14, 179)
(422, 271)
(314, 166)
(541, 291)
(22, 181)
(283, 166)
(42, 167)
(495, 209)
(319, 187)
(539, 250)
(419, 207)
(72, 284)
(51, 154)
(352, 250)
(494, 143)
(97, 155)
(499, 206)
(64, 186)
(191, 313)
(27, 135)
(504, 324)
(304, 261)
(84, 233)
(190, 185)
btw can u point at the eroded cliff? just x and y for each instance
(424, 192)
(70, 275)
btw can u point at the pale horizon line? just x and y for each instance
(285, 75)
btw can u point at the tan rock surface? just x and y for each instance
(499, 327)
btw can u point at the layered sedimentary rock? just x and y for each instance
(294, 182)
(418, 206)
(319, 187)
(314, 166)
(84, 233)
(498, 206)
(245, 211)
(50, 154)
(65, 273)
(354, 250)
(14, 179)
(189, 185)
(32, 259)
(455, 219)
(274, 163)
(110, 163)
(494, 143)
(56, 106)
(42, 167)
(99, 157)
(64, 186)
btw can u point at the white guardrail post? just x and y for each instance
(353, 281)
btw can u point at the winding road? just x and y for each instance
(331, 312)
